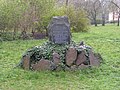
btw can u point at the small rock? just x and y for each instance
(59, 68)
(93, 60)
(26, 62)
(43, 65)
(71, 56)
(74, 67)
(82, 43)
(99, 57)
(56, 58)
(67, 68)
(53, 66)
(82, 66)
(81, 58)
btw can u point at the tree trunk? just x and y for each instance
(66, 2)
(33, 32)
(14, 33)
(95, 21)
(118, 20)
(24, 34)
(46, 30)
(103, 19)
(113, 17)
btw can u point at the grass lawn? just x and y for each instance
(105, 40)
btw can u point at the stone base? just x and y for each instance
(78, 57)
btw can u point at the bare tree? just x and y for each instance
(66, 2)
(103, 4)
(117, 3)
(93, 8)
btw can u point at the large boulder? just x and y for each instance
(56, 58)
(26, 62)
(71, 56)
(94, 61)
(81, 58)
(43, 65)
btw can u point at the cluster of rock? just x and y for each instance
(75, 57)
(60, 53)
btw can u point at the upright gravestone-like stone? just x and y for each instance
(59, 30)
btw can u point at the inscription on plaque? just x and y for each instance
(59, 30)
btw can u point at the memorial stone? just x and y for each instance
(59, 30)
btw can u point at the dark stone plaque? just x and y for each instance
(59, 30)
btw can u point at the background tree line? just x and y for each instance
(22, 18)
(98, 10)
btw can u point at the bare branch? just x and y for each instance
(115, 4)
